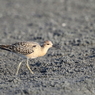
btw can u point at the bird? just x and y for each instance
(28, 49)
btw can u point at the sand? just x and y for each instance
(68, 69)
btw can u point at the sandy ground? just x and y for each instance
(68, 69)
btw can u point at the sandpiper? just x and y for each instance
(28, 49)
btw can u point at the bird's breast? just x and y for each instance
(36, 54)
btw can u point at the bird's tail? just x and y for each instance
(5, 47)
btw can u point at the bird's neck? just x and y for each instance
(43, 50)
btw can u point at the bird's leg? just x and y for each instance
(18, 67)
(29, 66)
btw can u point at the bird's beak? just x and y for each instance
(53, 45)
(56, 46)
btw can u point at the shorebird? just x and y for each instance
(29, 50)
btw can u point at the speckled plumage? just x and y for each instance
(28, 49)
(21, 47)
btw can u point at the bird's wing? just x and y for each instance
(20, 47)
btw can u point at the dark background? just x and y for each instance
(67, 70)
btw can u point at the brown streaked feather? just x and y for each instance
(4, 47)
(20, 47)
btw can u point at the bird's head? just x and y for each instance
(48, 44)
